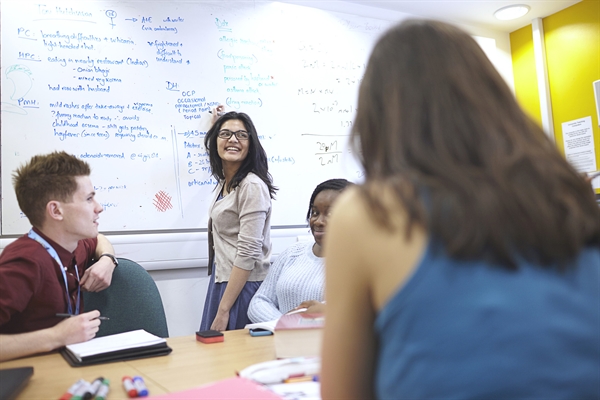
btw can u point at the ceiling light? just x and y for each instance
(511, 12)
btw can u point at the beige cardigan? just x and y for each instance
(241, 229)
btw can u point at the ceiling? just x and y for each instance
(479, 13)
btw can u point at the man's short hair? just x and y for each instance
(45, 178)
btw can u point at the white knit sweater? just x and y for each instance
(297, 275)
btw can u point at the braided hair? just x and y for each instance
(331, 184)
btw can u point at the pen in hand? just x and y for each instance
(593, 175)
(65, 315)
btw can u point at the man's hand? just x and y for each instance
(80, 328)
(98, 276)
(76, 329)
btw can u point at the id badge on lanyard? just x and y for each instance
(34, 235)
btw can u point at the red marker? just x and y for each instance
(71, 391)
(129, 387)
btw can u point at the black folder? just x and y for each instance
(13, 381)
(161, 349)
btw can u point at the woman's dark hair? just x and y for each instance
(331, 184)
(437, 124)
(255, 161)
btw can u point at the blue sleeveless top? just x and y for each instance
(467, 330)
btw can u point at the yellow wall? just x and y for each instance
(572, 39)
(525, 77)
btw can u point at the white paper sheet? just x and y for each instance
(578, 139)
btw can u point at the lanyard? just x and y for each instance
(34, 235)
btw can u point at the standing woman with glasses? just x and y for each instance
(240, 221)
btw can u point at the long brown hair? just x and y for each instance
(438, 125)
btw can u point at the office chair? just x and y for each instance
(132, 302)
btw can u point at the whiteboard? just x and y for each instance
(127, 86)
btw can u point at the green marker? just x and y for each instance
(103, 391)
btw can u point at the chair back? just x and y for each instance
(132, 302)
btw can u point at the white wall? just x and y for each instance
(183, 292)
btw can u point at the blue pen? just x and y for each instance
(140, 386)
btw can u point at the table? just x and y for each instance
(190, 364)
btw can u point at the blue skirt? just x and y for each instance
(238, 315)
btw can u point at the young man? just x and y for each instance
(43, 272)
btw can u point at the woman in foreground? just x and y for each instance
(468, 264)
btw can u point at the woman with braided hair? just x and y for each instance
(296, 278)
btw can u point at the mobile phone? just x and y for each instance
(209, 336)
(260, 332)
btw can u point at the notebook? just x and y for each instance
(119, 347)
(13, 381)
(270, 325)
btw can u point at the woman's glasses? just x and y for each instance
(240, 135)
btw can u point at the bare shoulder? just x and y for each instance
(350, 208)
(383, 256)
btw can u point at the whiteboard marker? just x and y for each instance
(140, 386)
(129, 387)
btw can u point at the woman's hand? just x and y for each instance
(216, 113)
(312, 307)
(221, 320)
